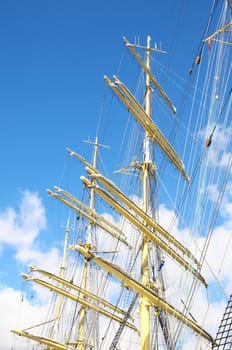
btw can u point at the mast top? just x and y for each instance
(95, 143)
(148, 47)
(148, 72)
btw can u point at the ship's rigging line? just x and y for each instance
(100, 119)
(197, 168)
(211, 226)
(162, 167)
(101, 114)
(110, 321)
(228, 245)
(224, 183)
(173, 133)
(201, 45)
(207, 80)
(106, 282)
(213, 220)
(131, 269)
(117, 303)
(134, 133)
(125, 128)
(208, 236)
(204, 170)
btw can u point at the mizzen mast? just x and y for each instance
(146, 169)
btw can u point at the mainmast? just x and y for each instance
(146, 166)
(148, 173)
(87, 245)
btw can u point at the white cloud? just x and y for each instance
(30, 220)
(32, 255)
(18, 314)
(179, 281)
(219, 263)
(20, 229)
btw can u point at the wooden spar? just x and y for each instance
(111, 187)
(153, 299)
(77, 298)
(89, 217)
(91, 211)
(78, 289)
(114, 190)
(158, 137)
(219, 31)
(51, 343)
(151, 77)
(149, 126)
(137, 223)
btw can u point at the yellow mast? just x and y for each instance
(148, 297)
(144, 303)
(62, 270)
(145, 292)
(88, 245)
(152, 134)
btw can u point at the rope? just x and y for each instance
(201, 45)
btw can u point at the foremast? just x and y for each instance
(81, 344)
(147, 166)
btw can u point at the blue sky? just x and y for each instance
(54, 55)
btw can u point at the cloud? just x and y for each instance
(30, 219)
(20, 229)
(179, 281)
(18, 314)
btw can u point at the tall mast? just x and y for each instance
(88, 245)
(152, 135)
(62, 269)
(144, 303)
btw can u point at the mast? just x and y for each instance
(151, 297)
(144, 303)
(88, 245)
(148, 169)
(62, 269)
